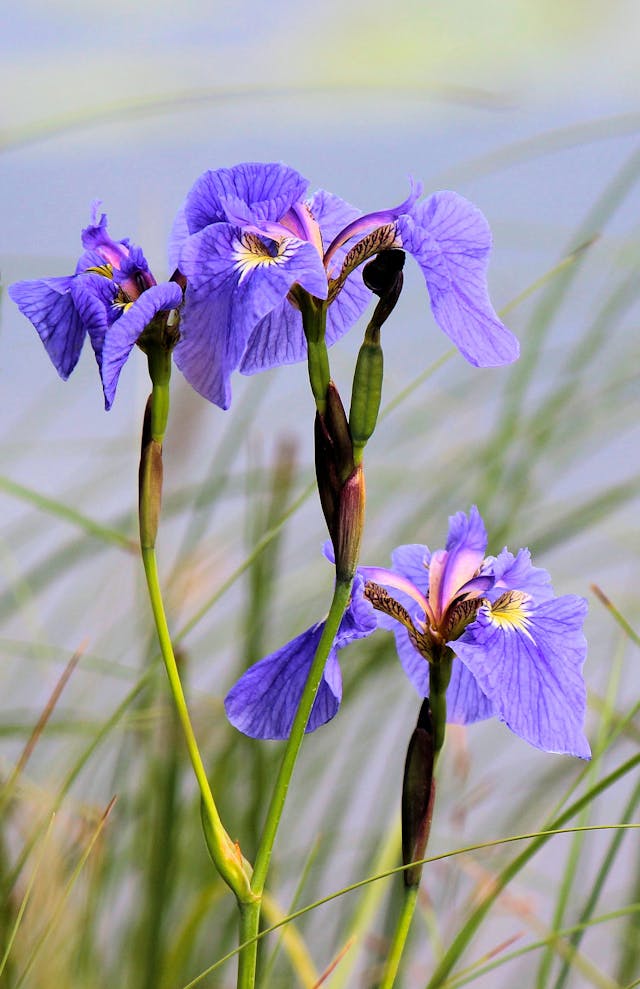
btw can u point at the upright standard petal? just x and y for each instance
(234, 280)
(517, 573)
(451, 240)
(49, 305)
(527, 659)
(458, 563)
(265, 190)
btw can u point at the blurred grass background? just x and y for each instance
(530, 109)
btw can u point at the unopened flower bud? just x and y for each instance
(381, 275)
(333, 455)
(366, 392)
(418, 794)
(350, 525)
(150, 483)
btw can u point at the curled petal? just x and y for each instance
(49, 305)
(450, 239)
(363, 224)
(264, 701)
(527, 659)
(125, 331)
(94, 296)
(454, 566)
(251, 191)
(96, 238)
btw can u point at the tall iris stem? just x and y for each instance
(400, 935)
(224, 852)
(439, 677)
(251, 911)
(314, 318)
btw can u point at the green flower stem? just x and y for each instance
(314, 321)
(400, 935)
(439, 677)
(250, 911)
(159, 361)
(225, 853)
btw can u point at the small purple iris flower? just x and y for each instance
(248, 241)
(518, 649)
(112, 297)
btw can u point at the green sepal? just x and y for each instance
(238, 871)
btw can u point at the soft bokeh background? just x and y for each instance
(529, 109)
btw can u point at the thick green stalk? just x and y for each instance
(314, 320)
(400, 936)
(439, 677)
(225, 853)
(250, 911)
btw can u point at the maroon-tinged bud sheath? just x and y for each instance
(326, 475)
(149, 483)
(334, 460)
(337, 426)
(350, 525)
(418, 795)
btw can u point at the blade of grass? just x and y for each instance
(293, 942)
(494, 843)
(62, 511)
(46, 933)
(27, 896)
(7, 789)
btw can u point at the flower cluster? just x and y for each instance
(112, 298)
(248, 240)
(518, 650)
(251, 244)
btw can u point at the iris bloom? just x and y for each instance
(112, 297)
(248, 241)
(518, 649)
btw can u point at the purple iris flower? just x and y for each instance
(248, 241)
(518, 649)
(112, 297)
